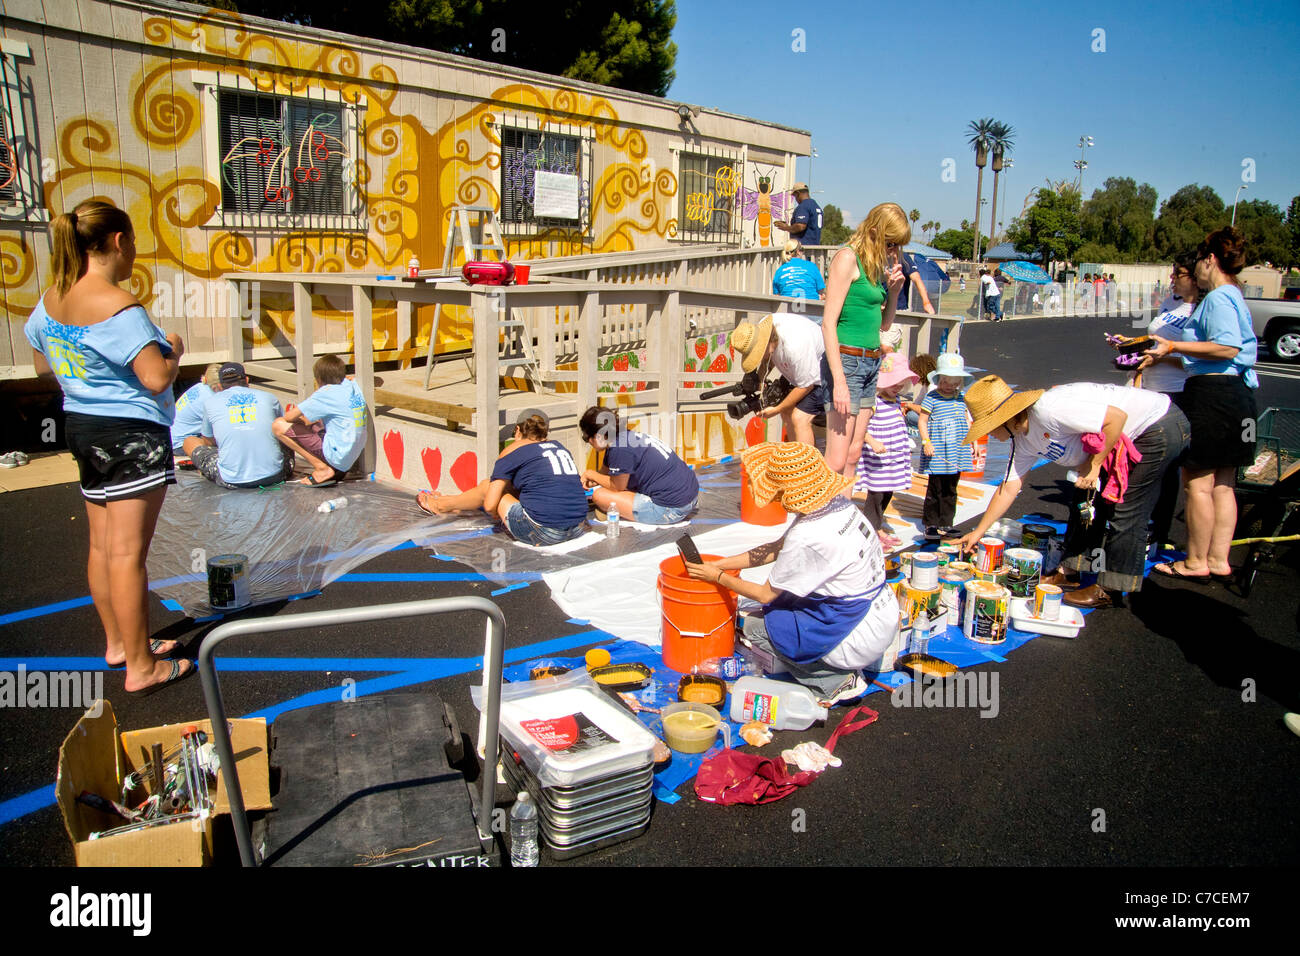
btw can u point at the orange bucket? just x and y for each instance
(979, 455)
(751, 513)
(699, 618)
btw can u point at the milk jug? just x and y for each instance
(783, 705)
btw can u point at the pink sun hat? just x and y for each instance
(894, 371)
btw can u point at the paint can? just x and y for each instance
(917, 599)
(897, 582)
(988, 554)
(985, 619)
(905, 563)
(949, 552)
(1047, 602)
(952, 591)
(1037, 537)
(1026, 568)
(228, 582)
(925, 571)
(998, 576)
(964, 568)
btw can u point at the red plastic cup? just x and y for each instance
(521, 274)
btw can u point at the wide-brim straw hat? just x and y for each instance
(992, 402)
(793, 474)
(750, 341)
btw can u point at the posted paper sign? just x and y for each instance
(555, 195)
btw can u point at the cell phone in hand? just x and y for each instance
(690, 553)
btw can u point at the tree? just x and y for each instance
(622, 43)
(1120, 217)
(1186, 218)
(834, 232)
(1001, 139)
(1050, 226)
(981, 136)
(1262, 225)
(1293, 233)
(956, 242)
(914, 215)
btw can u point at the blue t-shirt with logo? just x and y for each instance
(342, 409)
(546, 478)
(1222, 317)
(809, 213)
(655, 471)
(93, 363)
(798, 279)
(239, 419)
(189, 414)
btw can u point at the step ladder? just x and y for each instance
(474, 231)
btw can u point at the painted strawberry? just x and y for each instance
(464, 471)
(621, 363)
(719, 364)
(702, 348)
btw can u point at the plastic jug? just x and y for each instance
(783, 705)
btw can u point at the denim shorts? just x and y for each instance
(860, 375)
(524, 528)
(647, 512)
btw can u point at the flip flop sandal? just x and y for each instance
(174, 677)
(155, 645)
(313, 483)
(1171, 572)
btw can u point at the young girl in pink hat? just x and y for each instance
(886, 463)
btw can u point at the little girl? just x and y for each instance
(886, 462)
(942, 422)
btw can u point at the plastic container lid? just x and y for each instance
(1067, 625)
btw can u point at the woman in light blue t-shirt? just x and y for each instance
(116, 369)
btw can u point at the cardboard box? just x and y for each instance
(96, 757)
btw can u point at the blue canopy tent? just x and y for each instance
(1025, 272)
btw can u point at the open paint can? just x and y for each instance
(228, 588)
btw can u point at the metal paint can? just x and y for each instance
(917, 599)
(1026, 567)
(1037, 537)
(952, 590)
(988, 554)
(1047, 602)
(948, 552)
(998, 576)
(228, 588)
(962, 567)
(905, 563)
(985, 618)
(925, 571)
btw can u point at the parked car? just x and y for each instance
(1277, 323)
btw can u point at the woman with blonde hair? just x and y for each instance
(116, 369)
(796, 277)
(861, 300)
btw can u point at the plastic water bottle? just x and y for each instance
(728, 668)
(523, 831)
(334, 504)
(921, 633)
(611, 524)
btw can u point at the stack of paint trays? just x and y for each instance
(588, 764)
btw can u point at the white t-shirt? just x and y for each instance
(1061, 417)
(834, 552)
(1169, 324)
(799, 349)
(990, 287)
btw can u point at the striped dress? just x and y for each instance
(893, 470)
(948, 423)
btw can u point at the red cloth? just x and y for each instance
(1116, 465)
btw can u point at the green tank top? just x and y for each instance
(859, 324)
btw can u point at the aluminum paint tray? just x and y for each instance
(575, 798)
(1067, 625)
(571, 737)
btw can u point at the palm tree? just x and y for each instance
(980, 139)
(914, 215)
(1001, 140)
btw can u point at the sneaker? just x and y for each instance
(949, 532)
(932, 533)
(13, 459)
(854, 686)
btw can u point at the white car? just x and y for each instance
(1277, 323)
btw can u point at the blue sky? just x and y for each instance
(1183, 93)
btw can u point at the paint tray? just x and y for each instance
(1067, 625)
(925, 665)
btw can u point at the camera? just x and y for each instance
(755, 394)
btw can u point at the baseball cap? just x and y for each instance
(799, 187)
(232, 373)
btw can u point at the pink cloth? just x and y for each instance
(1116, 465)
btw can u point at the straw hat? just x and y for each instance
(992, 402)
(792, 473)
(893, 370)
(750, 341)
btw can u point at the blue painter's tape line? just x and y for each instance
(998, 658)
(16, 807)
(511, 587)
(577, 620)
(304, 594)
(664, 795)
(15, 616)
(210, 617)
(172, 605)
(726, 458)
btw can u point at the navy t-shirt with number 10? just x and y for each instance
(547, 480)
(656, 472)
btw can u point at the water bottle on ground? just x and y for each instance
(728, 668)
(921, 633)
(611, 522)
(523, 831)
(334, 504)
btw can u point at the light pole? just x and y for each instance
(812, 154)
(1085, 142)
(1234, 202)
(1005, 166)
(978, 216)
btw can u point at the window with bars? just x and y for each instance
(286, 155)
(9, 195)
(525, 152)
(706, 205)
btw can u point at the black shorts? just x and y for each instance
(814, 402)
(120, 458)
(1222, 412)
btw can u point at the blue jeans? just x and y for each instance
(860, 375)
(646, 511)
(993, 303)
(523, 528)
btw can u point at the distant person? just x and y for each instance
(962, 282)
(806, 223)
(116, 369)
(641, 474)
(189, 408)
(237, 447)
(794, 345)
(329, 428)
(991, 293)
(796, 277)
(534, 489)
(912, 278)
(942, 424)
